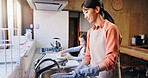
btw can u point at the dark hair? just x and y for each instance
(93, 3)
(84, 36)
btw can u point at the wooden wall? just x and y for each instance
(73, 5)
(131, 20)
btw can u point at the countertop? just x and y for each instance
(135, 51)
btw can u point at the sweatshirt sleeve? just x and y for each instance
(112, 47)
(74, 49)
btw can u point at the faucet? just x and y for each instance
(39, 58)
(38, 71)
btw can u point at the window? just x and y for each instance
(1, 19)
(14, 15)
(19, 15)
(0, 13)
(10, 14)
(10, 18)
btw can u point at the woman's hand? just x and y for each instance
(68, 57)
(84, 72)
(62, 52)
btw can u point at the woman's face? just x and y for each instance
(82, 42)
(90, 14)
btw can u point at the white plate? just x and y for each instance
(59, 56)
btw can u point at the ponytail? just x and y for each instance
(108, 16)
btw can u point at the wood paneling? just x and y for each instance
(131, 20)
(122, 20)
(74, 5)
(125, 8)
(138, 24)
(139, 6)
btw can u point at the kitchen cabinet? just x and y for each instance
(132, 60)
(135, 52)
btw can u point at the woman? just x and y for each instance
(103, 41)
(81, 48)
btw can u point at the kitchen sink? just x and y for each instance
(48, 73)
(48, 63)
(46, 67)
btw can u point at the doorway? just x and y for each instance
(73, 32)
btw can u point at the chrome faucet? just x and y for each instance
(40, 71)
(39, 58)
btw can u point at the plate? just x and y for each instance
(59, 56)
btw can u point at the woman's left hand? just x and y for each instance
(68, 57)
(84, 72)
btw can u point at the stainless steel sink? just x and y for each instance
(48, 73)
(48, 65)
(49, 69)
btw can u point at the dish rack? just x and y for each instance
(50, 50)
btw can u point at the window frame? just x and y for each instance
(11, 21)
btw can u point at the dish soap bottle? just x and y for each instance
(29, 35)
